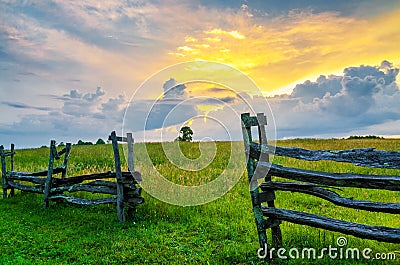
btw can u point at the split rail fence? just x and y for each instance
(315, 183)
(125, 190)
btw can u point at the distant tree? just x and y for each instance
(61, 144)
(364, 137)
(185, 134)
(100, 141)
(80, 142)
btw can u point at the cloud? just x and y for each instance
(24, 106)
(74, 94)
(282, 50)
(228, 99)
(49, 46)
(359, 101)
(93, 96)
(173, 108)
(308, 91)
(63, 40)
(114, 109)
(81, 116)
(174, 90)
(97, 44)
(26, 73)
(362, 9)
(363, 97)
(219, 32)
(92, 105)
(354, 99)
(364, 100)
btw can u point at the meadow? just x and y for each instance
(219, 232)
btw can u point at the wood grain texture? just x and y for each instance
(118, 176)
(47, 184)
(127, 194)
(315, 183)
(331, 196)
(332, 179)
(366, 157)
(380, 233)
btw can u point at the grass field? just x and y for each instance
(220, 232)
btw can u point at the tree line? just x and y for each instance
(80, 142)
(185, 136)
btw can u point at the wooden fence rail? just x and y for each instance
(316, 184)
(127, 194)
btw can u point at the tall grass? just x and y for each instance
(220, 232)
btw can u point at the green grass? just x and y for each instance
(220, 232)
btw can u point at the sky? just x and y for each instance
(73, 70)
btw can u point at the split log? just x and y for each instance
(94, 176)
(43, 173)
(332, 179)
(8, 153)
(110, 184)
(28, 178)
(331, 196)
(84, 187)
(118, 138)
(34, 189)
(366, 157)
(83, 201)
(380, 233)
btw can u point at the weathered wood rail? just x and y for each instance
(315, 183)
(124, 188)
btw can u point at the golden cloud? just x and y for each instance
(281, 51)
(234, 33)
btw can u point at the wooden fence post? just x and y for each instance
(127, 194)
(264, 157)
(66, 157)
(118, 175)
(253, 185)
(3, 171)
(131, 163)
(12, 192)
(48, 182)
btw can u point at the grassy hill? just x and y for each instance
(220, 232)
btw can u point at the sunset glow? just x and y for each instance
(78, 64)
(299, 46)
